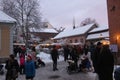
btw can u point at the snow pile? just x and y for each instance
(47, 57)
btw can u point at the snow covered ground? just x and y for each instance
(47, 57)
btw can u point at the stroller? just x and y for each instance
(85, 64)
(72, 68)
(1, 69)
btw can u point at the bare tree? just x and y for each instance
(59, 29)
(26, 12)
(87, 21)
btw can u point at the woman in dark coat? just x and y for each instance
(105, 64)
(12, 68)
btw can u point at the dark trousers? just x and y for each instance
(65, 57)
(22, 69)
(54, 64)
(105, 73)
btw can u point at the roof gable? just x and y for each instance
(74, 32)
(4, 18)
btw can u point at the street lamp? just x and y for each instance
(118, 37)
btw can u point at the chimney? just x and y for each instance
(73, 22)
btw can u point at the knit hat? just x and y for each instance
(29, 57)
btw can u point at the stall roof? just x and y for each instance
(100, 28)
(98, 35)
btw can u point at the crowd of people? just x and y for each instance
(96, 58)
(26, 67)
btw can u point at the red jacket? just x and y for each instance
(22, 60)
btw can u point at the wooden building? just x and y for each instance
(6, 25)
(44, 34)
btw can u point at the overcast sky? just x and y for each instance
(61, 12)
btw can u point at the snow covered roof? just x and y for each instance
(49, 30)
(99, 29)
(45, 30)
(98, 35)
(4, 18)
(73, 32)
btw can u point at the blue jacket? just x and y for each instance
(30, 68)
(117, 73)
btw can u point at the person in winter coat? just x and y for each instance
(91, 50)
(22, 64)
(95, 55)
(74, 55)
(54, 56)
(29, 68)
(85, 49)
(66, 52)
(12, 68)
(105, 64)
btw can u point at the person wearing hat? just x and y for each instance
(29, 68)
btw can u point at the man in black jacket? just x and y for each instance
(54, 56)
(105, 64)
(95, 56)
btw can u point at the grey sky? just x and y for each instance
(61, 12)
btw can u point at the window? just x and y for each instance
(70, 41)
(76, 40)
(81, 40)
